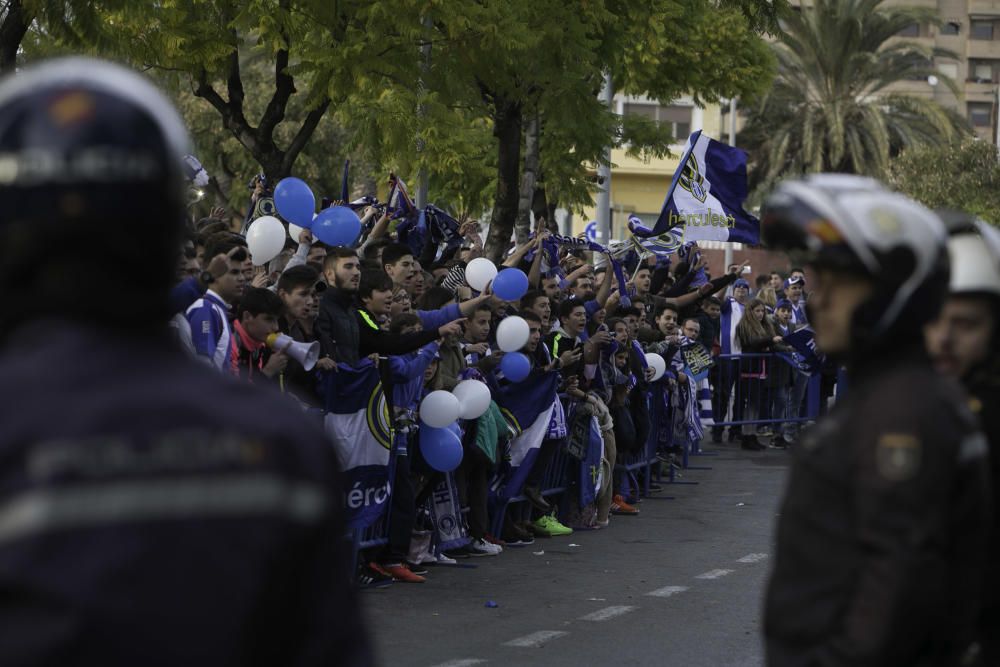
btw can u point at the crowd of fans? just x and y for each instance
(429, 330)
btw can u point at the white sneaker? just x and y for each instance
(444, 560)
(490, 548)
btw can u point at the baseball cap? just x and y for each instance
(783, 303)
(741, 283)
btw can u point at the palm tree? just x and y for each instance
(832, 107)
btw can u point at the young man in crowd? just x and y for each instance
(728, 370)
(208, 317)
(297, 288)
(399, 264)
(537, 302)
(259, 310)
(794, 288)
(475, 340)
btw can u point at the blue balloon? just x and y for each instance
(295, 201)
(510, 284)
(515, 366)
(337, 225)
(441, 448)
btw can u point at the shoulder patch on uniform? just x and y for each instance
(897, 456)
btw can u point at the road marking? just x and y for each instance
(713, 574)
(535, 639)
(608, 613)
(667, 591)
(461, 662)
(752, 558)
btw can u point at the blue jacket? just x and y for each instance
(435, 319)
(408, 375)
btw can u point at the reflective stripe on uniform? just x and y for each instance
(83, 506)
(368, 319)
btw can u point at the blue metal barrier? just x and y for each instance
(555, 482)
(762, 389)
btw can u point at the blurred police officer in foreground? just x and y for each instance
(964, 342)
(151, 512)
(882, 533)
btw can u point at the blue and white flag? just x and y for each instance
(527, 407)
(807, 358)
(357, 421)
(706, 195)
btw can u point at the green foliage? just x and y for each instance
(962, 176)
(831, 107)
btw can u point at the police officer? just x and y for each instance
(964, 342)
(881, 535)
(151, 512)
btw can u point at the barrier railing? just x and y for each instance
(763, 389)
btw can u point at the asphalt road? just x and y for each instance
(680, 584)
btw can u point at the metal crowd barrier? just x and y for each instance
(762, 389)
(555, 482)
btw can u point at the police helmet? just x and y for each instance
(854, 224)
(974, 250)
(92, 188)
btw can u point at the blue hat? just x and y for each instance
(796, 280)
(783, 303)
(741, 283)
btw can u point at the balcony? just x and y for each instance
(980, 92)
(980, 48)
(984, 7)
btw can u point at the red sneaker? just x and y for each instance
(399, 572)
(619, 506)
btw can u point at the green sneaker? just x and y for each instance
(550, 526)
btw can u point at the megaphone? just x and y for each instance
(306, 354)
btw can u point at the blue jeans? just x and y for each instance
(796, 393)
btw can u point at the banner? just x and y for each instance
(446, 511)
(706, 195)
(357, 422)
(590, 469)
(697, 360)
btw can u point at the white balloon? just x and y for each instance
(474, 398)
(439, 408)
(265, 239)
(512, 333)
(657, 363)
(294, 231)
(479, 273)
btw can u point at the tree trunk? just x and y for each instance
(12, 31)
(507, 129)
(524, 205)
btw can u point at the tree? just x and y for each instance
(833, 107)
(505, 62)
(961, 176)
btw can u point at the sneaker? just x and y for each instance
(535, 497)
(494, 541)
(750, 443)
(480, 548)
(455, 553)
(370, 575)
(550, 526)
(602, 524)
(516, 536)
(444, 560)
(765, 431)
(399, 572)
(427, 558)
(416, 568)
(619, 506)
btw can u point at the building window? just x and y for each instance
(949, 70)
(981, 30)
(912, 30)
(678, 118)
(981, 114)
(951, 28)
(982, 71)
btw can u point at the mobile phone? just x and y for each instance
(746, 270)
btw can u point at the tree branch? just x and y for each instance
(15, 26)
(303, 135)
(284, 88)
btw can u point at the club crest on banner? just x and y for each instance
(377, 416)
(692, 179)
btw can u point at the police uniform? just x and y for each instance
(882, 534)
(153, 512)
